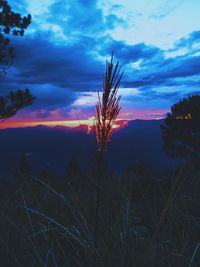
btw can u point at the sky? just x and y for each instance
(62, 56)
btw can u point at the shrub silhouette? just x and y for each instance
(181, 132)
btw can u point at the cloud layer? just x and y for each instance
(62, 57)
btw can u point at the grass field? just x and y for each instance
(49, 221)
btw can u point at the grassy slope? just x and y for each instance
(47, 221)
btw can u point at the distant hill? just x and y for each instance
(52, 148)
(139, 141)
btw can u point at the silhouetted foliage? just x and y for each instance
(107, 108)
(10, 23)
(181, 132)
(15, 101)
(143, 221)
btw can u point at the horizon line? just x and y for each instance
(90, 122)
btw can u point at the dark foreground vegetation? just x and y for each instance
(50, 221)
(134, 220)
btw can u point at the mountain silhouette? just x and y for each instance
(52, 147)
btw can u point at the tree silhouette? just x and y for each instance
(11, 23)
(15, 101)
(181, 132)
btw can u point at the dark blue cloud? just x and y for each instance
(191, 39)
(156, 70)
(131, 53)
(181, 67)
(57, 72)
(170, 72)
(67, 66)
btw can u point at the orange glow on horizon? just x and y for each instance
(30, 119)
(67, 123)
(123, 119)
(23, 124)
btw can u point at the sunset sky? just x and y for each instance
(61, 58)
